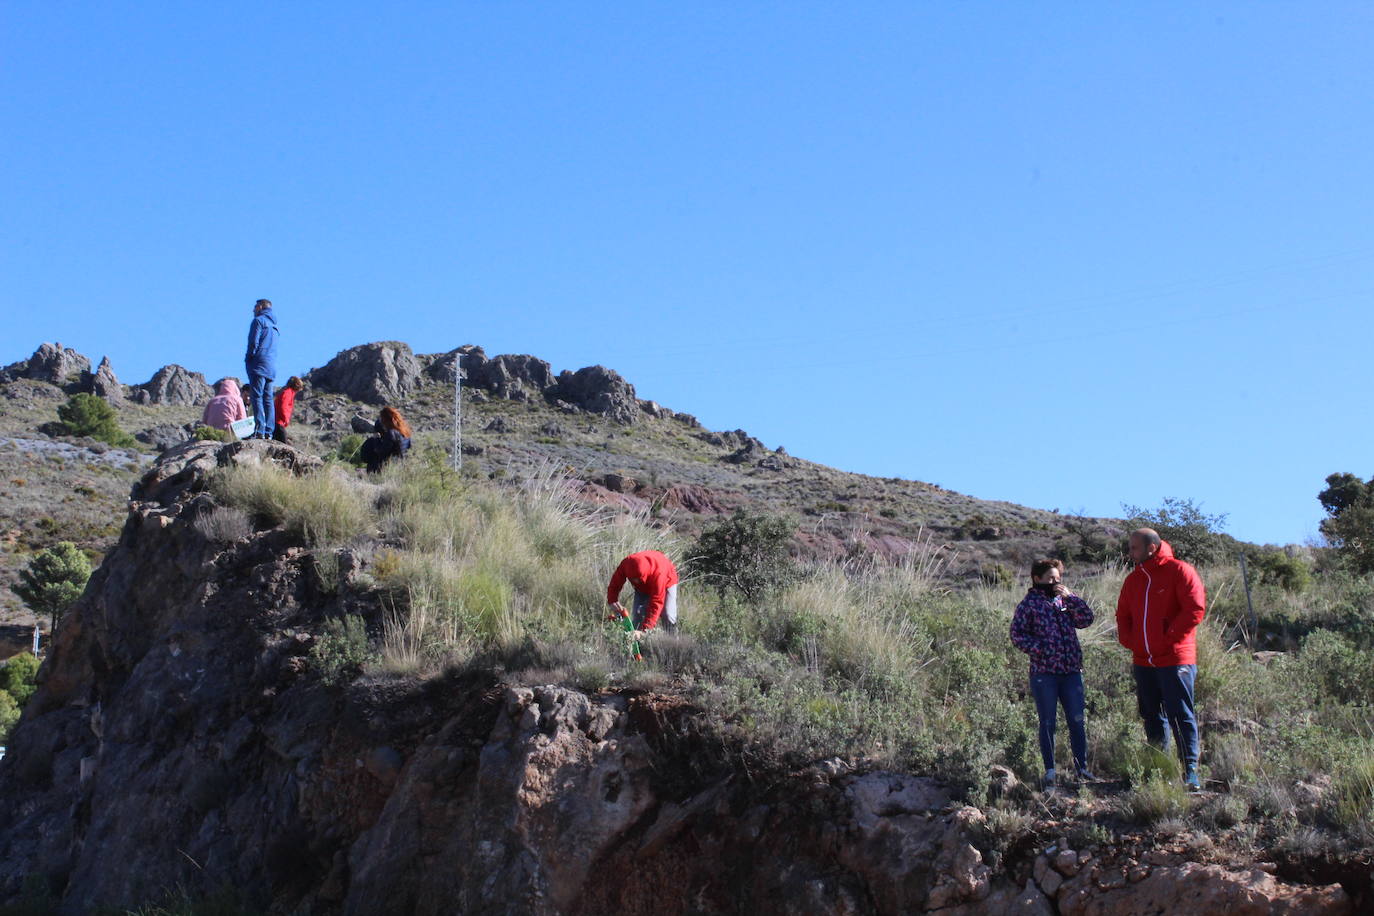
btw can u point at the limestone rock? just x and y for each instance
(51, 363)
(102, 383)
(375, 373)
(598, 390)
(174, 385)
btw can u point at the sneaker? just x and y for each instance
(1085, 775)
(1048, 782)
(1191, 781)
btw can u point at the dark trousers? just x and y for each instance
(279, 434)
(264, 411)
(1052, 691)
(1165, 697)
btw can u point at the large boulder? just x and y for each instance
(52, 363)
(376, 373)
(598, 390)
(102, 383)
(173, 385)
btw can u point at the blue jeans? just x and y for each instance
(1165, 697)
(260, 389)
(1052, 691)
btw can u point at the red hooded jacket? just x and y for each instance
(285, 404)
(1162, 602)
(650, 573)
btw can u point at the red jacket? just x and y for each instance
(650, 573)
(1162, 602)
(286, 402)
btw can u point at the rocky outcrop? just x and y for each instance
(51, 363)
(181, 738)
(173, 385)
(165, 436)
(375, 373)
(515, 377)
(598, 390)
(102, 383)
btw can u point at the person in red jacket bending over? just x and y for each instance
(1162, 602)
(654, 579)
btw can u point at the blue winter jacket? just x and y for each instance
(261, 358)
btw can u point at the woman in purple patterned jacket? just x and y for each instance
(1043, 627)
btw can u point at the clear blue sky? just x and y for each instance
(1071, 255)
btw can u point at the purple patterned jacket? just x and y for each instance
(1043, 628)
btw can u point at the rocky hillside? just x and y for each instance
(629, 453)
(181, 739)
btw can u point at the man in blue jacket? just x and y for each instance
(261, 363)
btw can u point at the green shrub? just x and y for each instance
(1350, 803)
(343, 650)
(211, 434)
(54, 579)
(18, 677)
(9, 714)
(88, 415)
(1156, 799)
(1275, 567)
(1194, 535)
(1342, 671)
(350, 450)
(747, 553)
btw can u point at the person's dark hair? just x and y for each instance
(1041, 567)
(262, 304)
(295, 383)
(391, 419)
(1148, 535)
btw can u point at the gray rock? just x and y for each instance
(598, 390)
(174, 385)
(51, 363)
(376, 373)
(103, 383)
(164, 436)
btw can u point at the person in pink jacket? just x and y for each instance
(226, 406)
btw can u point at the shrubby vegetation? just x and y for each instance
(892, 662)
(88, 415)
(1349, 522)
(1194, 535)
(16, 686)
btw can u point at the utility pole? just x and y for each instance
(458, 412)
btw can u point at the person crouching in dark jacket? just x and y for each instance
(391, 439)
(1044, 628)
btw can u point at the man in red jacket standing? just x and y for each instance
(1162, 602)
(654, 579)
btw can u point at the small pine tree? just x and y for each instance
(54, 579)
(88, 415)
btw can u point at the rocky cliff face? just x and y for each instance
(180, 739)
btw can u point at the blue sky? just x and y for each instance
(1069, 256)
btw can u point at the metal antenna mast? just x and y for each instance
(458, 412)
